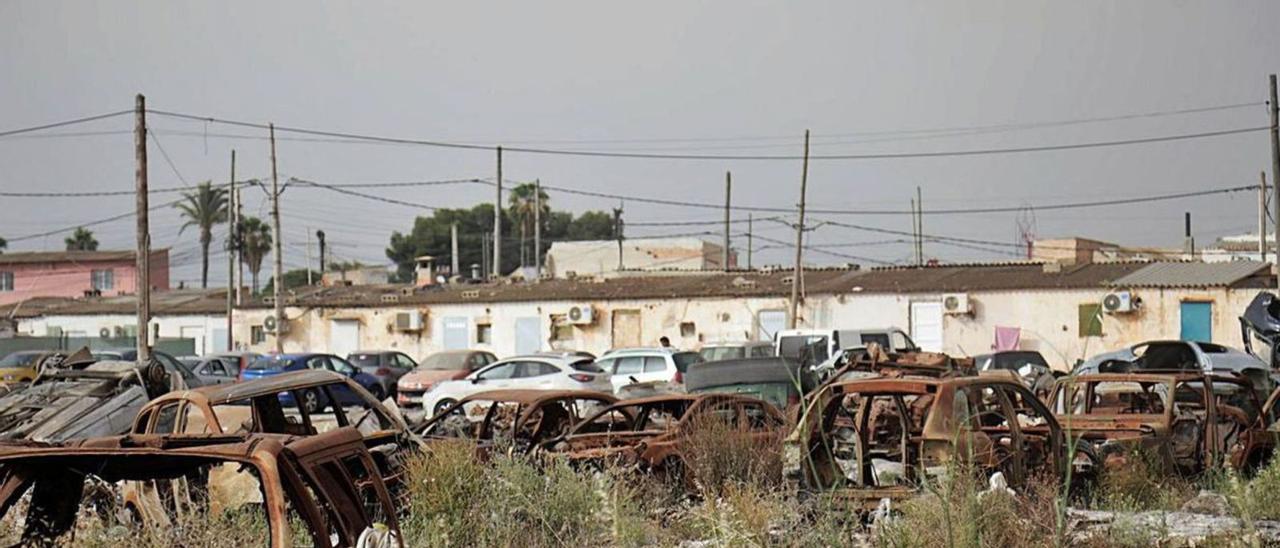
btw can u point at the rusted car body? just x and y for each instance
(650, 432)
(328, 482)
(875, 363)
(81, 397)
(1187, 421)
(876, 438)
(255, 407)
(519, 420)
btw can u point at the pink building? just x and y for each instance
(76, 273)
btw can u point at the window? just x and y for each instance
(761, 351)
(213, 367)
(257, 335)
(629, 365)
(503, 371)
(688, 329)
(6, 281)
(1090, 324)
(166, 420)
(484, 333)
(103, 280)
(654, 364)
(404, 362)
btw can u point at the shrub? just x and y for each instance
(1141, 483)
(718, 454)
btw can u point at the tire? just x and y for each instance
(310, 400)
(441, 406)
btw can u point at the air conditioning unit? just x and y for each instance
(409, 321)
(271, 324)
(957, 304)
(1120, 302)
(582, 315)
(104, 333)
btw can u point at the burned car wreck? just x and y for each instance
(327, 483)
(651, 433)
(80, 397)
(1187, 422)
(879, 438)
(514, 420)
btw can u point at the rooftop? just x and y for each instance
(28, 257)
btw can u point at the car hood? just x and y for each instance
(432, 376)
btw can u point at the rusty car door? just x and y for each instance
(336, 487)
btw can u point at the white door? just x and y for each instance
(528, 335)
(769, 323)
(196, 334)
(344, 337)
(455, 332)
(926, 325)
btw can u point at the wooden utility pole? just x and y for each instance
(728, 194)
(320, 241)
(919, 227)
(617, 233)
(749, 242)
(915, 236)
(799, 268)
(455, 263)
(1262, 216)
(231, 251)
(497, 223)
(537, 228)
(307, 245)
(278, 266)
(1275, 168)
(239, 250)
(484, 256)
(143, 259)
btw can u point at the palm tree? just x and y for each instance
(4, 244)
(255, 243)
(523, 205)
(205, 207)
(81, 240)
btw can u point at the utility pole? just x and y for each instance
(278, 266)
(497, 223)
(455, 263)
(749, 243)
(143, 259)
(728, 193)
(231, 251)
(484, 256)
(799, 269)
(320, 240)
(1275, 168)
(537, 228)
(919, 227)
(239, 250)
(617, 233)
(307, 245)
(915, 236)
(1262, 216)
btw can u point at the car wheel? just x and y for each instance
(310, 400)
(442, 405)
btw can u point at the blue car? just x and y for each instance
(314, 400)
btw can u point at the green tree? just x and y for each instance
(255, 244)
(430, 236)
(525, 201)
(293, 279)
(4, 244)
(591, 225)
(81, 240)
(204, 208)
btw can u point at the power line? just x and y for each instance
(90, 223)
(63, 123)
(363, 195)
(825, 251)
(167, 159)
(955, 211)
(636, 155)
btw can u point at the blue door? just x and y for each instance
(1197, 321)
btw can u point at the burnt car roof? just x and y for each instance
(915, 384)
(1156, 376)
(223, 393)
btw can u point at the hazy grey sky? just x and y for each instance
(543, 72)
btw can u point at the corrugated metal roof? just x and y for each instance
(1191, 274)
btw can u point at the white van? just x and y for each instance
(815, 346)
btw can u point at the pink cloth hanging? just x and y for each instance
(1007, 338)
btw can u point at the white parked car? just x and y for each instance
(636, 366)
(534, 371)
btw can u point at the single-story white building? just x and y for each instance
(197, 314)
(1066, 311)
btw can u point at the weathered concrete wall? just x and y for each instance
(1048, 319)
(209, 332)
